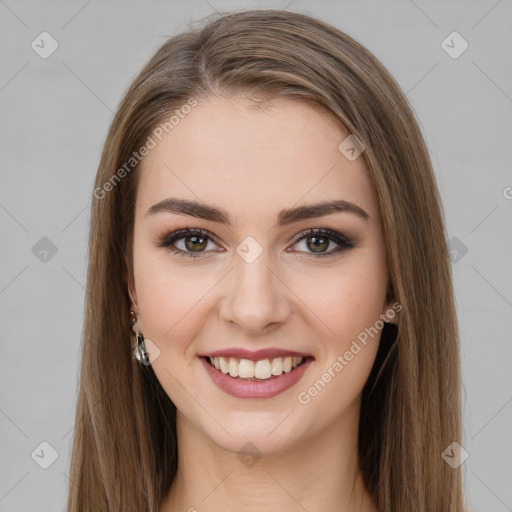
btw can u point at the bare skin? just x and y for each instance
(252, 164)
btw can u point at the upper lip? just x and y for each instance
(256, 355)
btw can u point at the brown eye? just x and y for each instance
(193, 242)
(196, 243)
(317, 243)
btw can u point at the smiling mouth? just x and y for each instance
(256, 371)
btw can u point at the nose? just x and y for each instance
(256, 298)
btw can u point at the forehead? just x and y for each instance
(228, 153)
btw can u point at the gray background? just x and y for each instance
(54, 115)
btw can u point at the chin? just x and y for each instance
(266, 432)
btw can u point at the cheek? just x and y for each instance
(347, 298)
(171, 297)
(347, 305)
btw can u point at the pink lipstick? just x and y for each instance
(255, 388)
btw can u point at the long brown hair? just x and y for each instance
(124, 454)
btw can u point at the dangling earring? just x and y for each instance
(139, 349)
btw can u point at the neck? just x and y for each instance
(322, 473)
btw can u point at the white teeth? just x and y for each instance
(247, 369)
(223, 363)
(277, 366)
(233, 367)
(262, 369)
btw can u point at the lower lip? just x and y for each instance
(253, 389)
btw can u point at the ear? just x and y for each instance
(129, 282)
(391, 312)
(132, 293)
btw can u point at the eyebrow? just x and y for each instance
(284, 218)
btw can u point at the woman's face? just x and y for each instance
(255, 278)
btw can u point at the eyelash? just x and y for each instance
(169, 239)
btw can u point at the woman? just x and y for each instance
(267, 227)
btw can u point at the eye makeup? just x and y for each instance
(200, 236)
